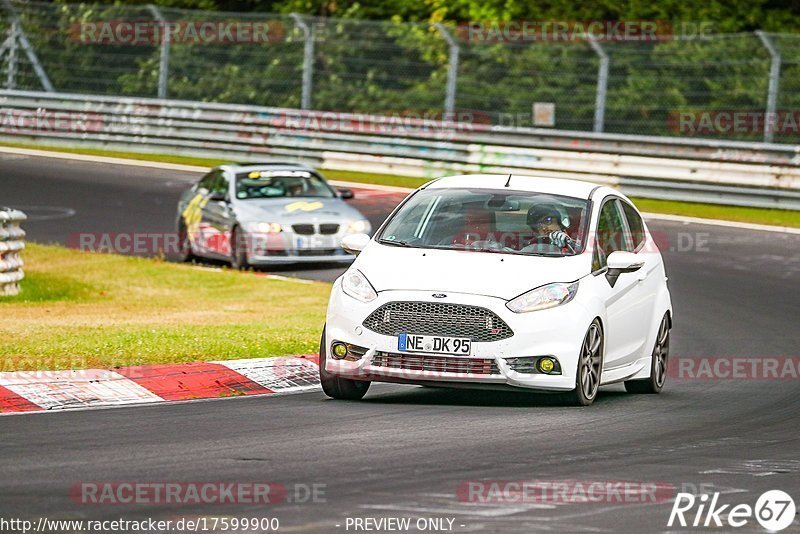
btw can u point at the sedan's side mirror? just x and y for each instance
(620, 262)
(217, 196)
(355, 243)
(345, 194)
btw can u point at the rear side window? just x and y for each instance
(220, 184)
(206, 184)
(635, 224)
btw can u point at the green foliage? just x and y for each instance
(399, 63)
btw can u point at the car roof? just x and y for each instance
(270, 165)
(536, 184)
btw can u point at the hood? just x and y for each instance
(499, 275)
(295, 209)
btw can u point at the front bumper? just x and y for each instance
(289, 247)
(556, 332)
(292, 256)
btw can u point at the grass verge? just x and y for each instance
(86, 310)
(787, 218)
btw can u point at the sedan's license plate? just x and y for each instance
(315, 241)
(435, 344)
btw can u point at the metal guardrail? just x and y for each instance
(724, 172)
(12, 241)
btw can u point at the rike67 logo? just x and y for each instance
(774, 511)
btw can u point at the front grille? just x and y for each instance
(328, 229)
(438, 319)
(441, 364)
(308, 229)
(303, 229)
(317, 252)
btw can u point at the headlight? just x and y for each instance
(544, 297)
(266, 227)
(359, 227)
(357, 286)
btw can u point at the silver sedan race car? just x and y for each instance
(266, 213)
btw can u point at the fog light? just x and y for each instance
(546, 365)
(339, 350)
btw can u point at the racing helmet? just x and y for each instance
(542, 210)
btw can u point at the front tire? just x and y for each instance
(658, 364)
(336, 387)
(590, 367)
(239, 256)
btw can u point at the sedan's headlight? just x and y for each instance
(359, 227)
(357, 286)
(541, 298)
(266, 227)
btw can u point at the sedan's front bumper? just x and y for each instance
(556, 332)
(303, 256)
(289, 247)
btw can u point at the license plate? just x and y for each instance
(315, 241)
(435, 344)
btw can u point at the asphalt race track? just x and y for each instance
(404, 451)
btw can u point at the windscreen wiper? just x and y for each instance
(492, 250)
(397, 243)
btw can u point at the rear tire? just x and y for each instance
(658, 364)
(590, 367)
(336, 387)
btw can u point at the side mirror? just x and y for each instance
(217, 196)
(355, 243)
(345, 193)
(620, 262)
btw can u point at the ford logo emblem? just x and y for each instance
(439, 295)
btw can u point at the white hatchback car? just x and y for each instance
(502, 281)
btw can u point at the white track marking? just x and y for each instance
(101, 159)
(76, 389)
(718, 222)
(281, 375)
(45, 213)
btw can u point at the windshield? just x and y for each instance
(511, 222)
(276, 184)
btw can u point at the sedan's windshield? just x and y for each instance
(511, 222)
(273, 184)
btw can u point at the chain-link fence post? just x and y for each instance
(163, 63)
(11, 61)
(602, 84)
(774, 81)
(308, 60)
(22, 39)
(452, 71)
